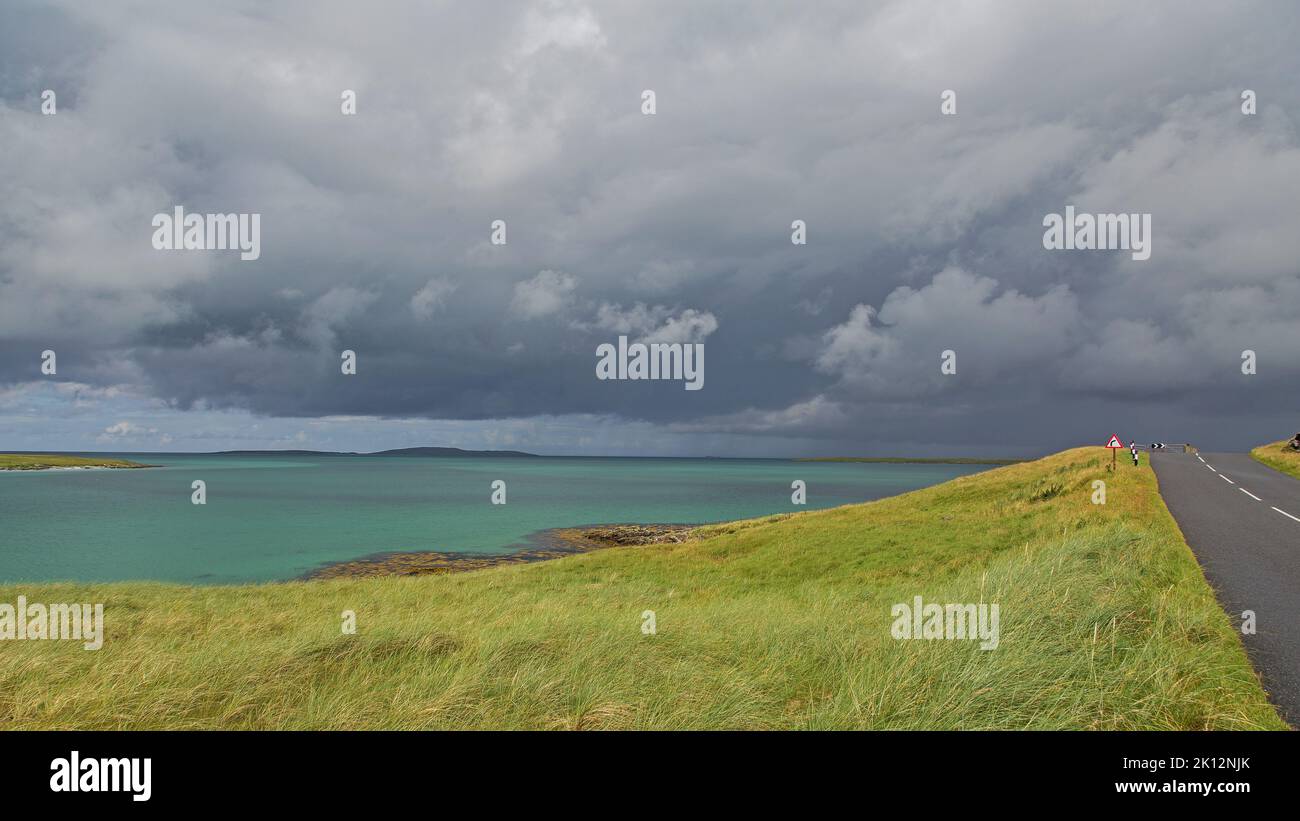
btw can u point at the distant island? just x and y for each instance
(47, 461)
(449, 452)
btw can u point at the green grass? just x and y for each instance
(1279, 456)
(909, 460)
(44, 461)
(781, 622)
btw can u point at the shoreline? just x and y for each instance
(552, 543)
(48, 468)
(62, 461)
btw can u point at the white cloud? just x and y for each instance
(547, 293)
(126, 430)
(563, 28)
(322, 318)
(810, 418)
(995, 333)
(431, 297)
(657, 323)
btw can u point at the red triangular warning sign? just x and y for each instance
(1114, 442)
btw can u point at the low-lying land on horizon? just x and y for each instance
(420, 451)
(782, 622)
(458, 452)
(47, 461)
(1279, 456)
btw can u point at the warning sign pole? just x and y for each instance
(1114, 444)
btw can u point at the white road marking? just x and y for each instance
(1251, 495)
(1226, 479)
(1284, 513)
(1202, 460)
(1211, 467)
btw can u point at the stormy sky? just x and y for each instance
(924, 230)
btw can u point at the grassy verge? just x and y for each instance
(1279, 456)
(44, 461)
(781, 622)
(905, 460)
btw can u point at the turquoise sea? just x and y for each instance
(275, 517)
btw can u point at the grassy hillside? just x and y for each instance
(1279, 456)
(42, 461)
(782, 622)
(920, 460)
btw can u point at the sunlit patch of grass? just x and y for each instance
(45, 461)
(1279, 456)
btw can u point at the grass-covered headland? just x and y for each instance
(1279, 456)
(46, 461)
(906, 460)
(784, 622)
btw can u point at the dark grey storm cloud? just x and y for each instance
(924, 230)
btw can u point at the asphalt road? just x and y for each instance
(1242, 520)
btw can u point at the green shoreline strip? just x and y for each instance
(44, 461)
